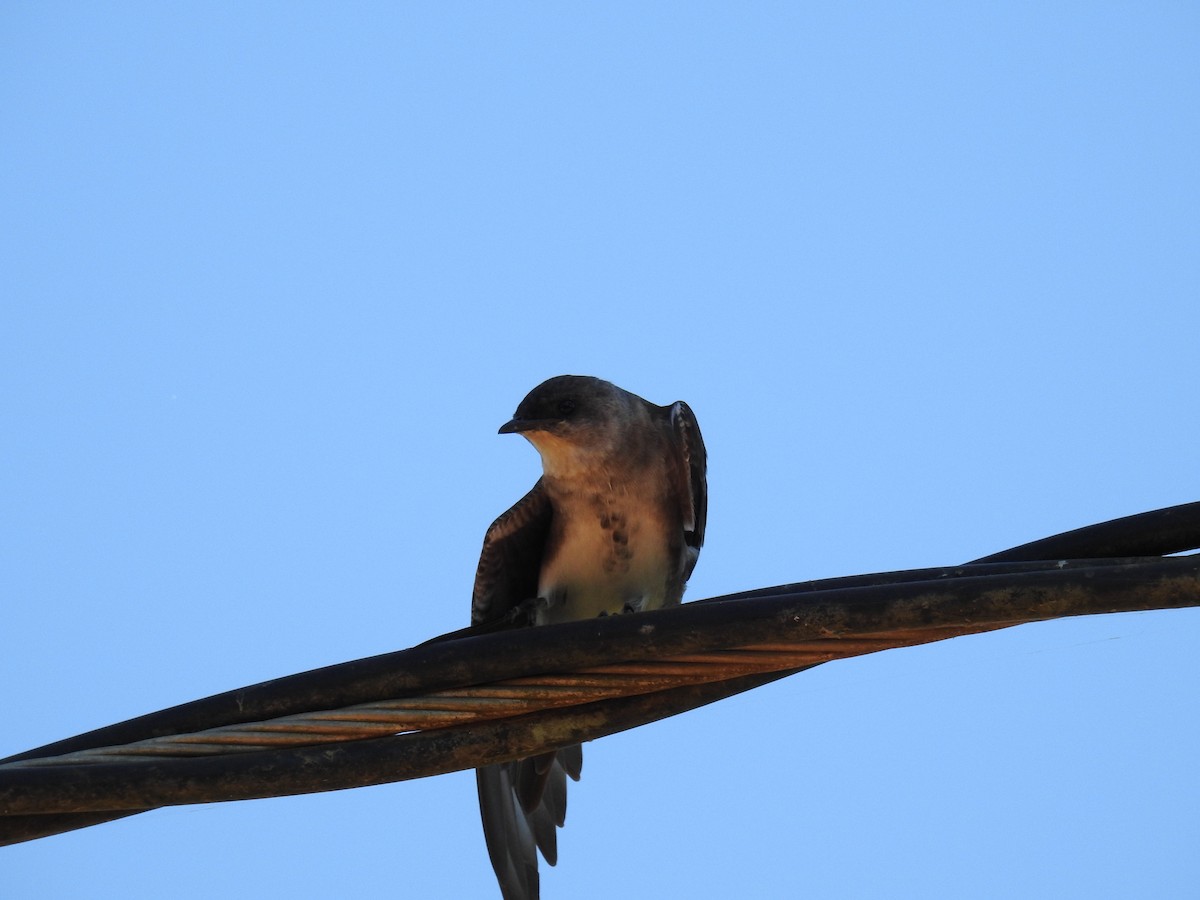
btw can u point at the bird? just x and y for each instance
(614, 525)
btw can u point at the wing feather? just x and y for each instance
(512, 557)
(521, 803)
(693, 481)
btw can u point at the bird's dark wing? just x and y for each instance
(693, 481)
(521, 803)
(512, 557)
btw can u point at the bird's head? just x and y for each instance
(570, 417)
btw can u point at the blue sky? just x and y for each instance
(273, 274)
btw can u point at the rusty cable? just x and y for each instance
(471, 699)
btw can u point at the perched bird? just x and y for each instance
(614, 525)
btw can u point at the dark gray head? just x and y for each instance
(575, 420)
(572, 404)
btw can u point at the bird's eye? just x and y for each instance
(566, 407)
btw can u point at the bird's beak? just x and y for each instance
(527, 426)
(516, 426)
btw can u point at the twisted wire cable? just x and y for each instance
(505, 699)
(472, 698)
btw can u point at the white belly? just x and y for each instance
(605, 570)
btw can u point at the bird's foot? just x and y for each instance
(526, 612)
(629, 606)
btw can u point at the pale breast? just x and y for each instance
(610, 554)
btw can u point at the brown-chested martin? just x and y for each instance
(614, 525)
